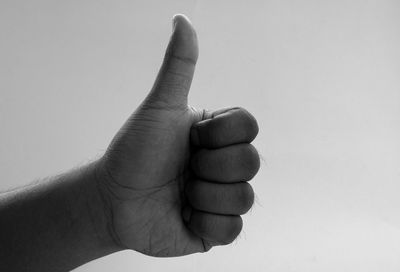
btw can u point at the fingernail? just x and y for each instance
(174, 21)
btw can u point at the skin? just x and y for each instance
(173, 181)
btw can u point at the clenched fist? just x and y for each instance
(174, 180)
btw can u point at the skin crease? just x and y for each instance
(143, 174)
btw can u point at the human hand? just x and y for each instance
(174, 178)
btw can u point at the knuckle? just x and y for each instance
(251, 125)
(251, 159)
(254, 161)
(246, 198)
(233, 230)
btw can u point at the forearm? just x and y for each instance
(55, 225)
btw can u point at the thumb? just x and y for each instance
(173, 81)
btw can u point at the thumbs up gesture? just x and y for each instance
(174, 179)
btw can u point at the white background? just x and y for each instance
(321, 77)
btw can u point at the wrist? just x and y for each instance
(99, 207)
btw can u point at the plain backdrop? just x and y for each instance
(321, 77)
